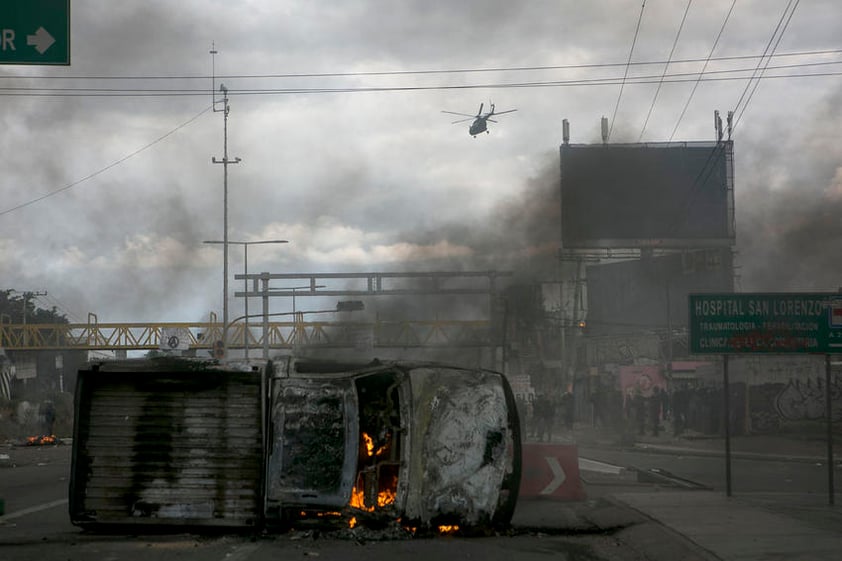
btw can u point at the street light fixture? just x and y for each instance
(341, 306)
(245, 283)
(296, 324)
(294, 288)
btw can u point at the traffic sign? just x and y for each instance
(35, 32)
(551, 471)
(174, 339)
(765, 323)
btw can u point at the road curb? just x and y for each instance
(666, 449)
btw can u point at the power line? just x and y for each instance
(713, 157)
(666, 66)
(635, 80)
(418, 72)
(721, 148)
(762, 57)
(106, 168)
(696, 85)
(757, 81)
(623, 85)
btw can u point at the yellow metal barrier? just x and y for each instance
(148, 336)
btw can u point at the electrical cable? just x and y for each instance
(696, 85)
(666, 66)
(763, 56)
(607, 81)
(757, 82)
(414, 72)
(106, 168)
(623, 85)
(720, 146)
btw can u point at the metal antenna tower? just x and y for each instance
(224, 161)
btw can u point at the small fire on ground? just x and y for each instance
(41, 440)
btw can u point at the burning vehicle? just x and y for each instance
(299, 441)
(428, 444)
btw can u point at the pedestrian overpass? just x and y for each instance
(261, 336)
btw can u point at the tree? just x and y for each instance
(19, 307)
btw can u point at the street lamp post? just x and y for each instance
(245, 280)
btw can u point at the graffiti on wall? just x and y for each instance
(773, 405)
(763, 415)
(621, 349)
(799, 400)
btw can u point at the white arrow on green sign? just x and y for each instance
(35, 32)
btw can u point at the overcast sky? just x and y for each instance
(363, 172)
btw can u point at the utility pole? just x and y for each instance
(26, 297)
(224, 161)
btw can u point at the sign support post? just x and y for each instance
(768, 323)
(829, 412)
(727, 396)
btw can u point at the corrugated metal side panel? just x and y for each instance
(167, 448)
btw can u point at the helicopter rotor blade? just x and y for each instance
(491, 120)
(509, 111)
(460, 114)
(480, 109)
(462, 120)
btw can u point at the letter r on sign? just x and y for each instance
(8, 38)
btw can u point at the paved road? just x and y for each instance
(755, 475)
(36, 527)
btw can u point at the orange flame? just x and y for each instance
(369, 444)
(43, 439)
(385, 497)
(358, 499)
(386, 492)
(448, 529)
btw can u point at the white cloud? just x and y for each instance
(364, 179)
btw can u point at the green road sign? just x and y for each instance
(765, 323)
(35, 32)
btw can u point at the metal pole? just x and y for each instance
(829, 412)
(265, 289)
(726, 393)
(225, 161)
(246, 284)
(225, 228)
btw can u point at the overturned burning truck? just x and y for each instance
(296, 441)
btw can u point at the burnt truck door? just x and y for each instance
(313, 435)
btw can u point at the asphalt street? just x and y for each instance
(36, 527)
(779, 508)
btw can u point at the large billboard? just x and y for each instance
(670, 195)
(651, 294)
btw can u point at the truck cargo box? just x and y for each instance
(167, 442)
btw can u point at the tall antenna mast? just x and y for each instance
(224, 161)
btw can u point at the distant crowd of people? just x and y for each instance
(538, 417)
(682, 409)
(685, 408)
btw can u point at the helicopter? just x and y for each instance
(479, 120)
